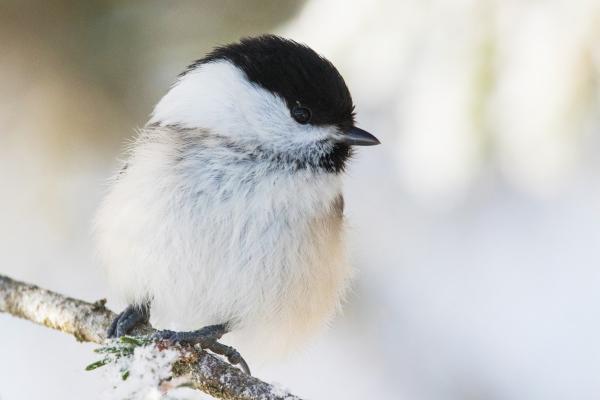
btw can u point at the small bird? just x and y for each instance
(227, 216)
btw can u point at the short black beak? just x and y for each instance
(357, 137)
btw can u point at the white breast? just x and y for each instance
(210, 241)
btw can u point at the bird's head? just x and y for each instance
(268, 92)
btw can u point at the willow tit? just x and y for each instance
(228, 213)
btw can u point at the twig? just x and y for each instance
(88, 322)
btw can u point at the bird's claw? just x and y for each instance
(128, 319)
(233, 356)
(207, 338)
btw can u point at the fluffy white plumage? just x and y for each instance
(210, 237)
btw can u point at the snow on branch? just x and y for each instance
(88, 322)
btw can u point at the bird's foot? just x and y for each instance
(207, 338)
(128, 319)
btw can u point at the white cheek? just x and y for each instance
(203, 98)
(272, 123)
(218, 97)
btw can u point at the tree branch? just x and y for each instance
(88, 322)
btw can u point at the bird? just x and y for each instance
(227, 214)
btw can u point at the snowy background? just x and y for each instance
(475, 227)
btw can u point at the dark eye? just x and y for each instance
(301, 114)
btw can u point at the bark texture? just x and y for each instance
(88, 322)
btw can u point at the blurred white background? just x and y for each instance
(475, 227)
